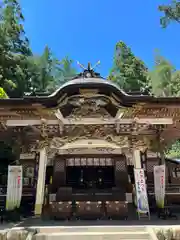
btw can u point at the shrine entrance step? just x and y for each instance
(94, 233)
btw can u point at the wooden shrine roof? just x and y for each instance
(72, 87)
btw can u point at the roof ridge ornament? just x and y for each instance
(89, 70)
(96, 64)
(89, 67)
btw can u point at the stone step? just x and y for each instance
(94, 233)
(94, 236)
(93, 229)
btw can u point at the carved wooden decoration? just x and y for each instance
(86, 104)
(89, 106)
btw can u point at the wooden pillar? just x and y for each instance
(160, 146)
(162, 156)
(41, 182)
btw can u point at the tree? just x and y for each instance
(12, 27)
(42, 70)
(49, 72)
(129, 72)
(20, 70)
(65, 71)
(164, 78)
(175, 83)
(161, 78)
(165, 82)
(14, 47)
(171, 13)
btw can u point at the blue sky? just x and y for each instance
(88, 30)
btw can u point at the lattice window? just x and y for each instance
(59, 166)
(120, 165)
(150, 165)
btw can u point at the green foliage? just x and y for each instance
(171, 13)
(42, 71)
(175, 83)
(161, 78)
(3, 93)
(165, 82)
(174, 151)
(131, 75)
(49, 72)
(129, 72)
(65, 71)
(20, 70)
(14, 46)
(164, 78)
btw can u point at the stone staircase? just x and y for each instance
(96, 233)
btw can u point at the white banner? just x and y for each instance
(14, 187)
(159, 185)
(141, 192)
(41, 182)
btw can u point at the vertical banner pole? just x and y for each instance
(159, 185)
(141, 193)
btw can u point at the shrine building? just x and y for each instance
(79, 145)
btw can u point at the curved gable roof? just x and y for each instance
(104, 86)
(91, 83)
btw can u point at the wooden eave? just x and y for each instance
(72, 88)
(141, 106)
